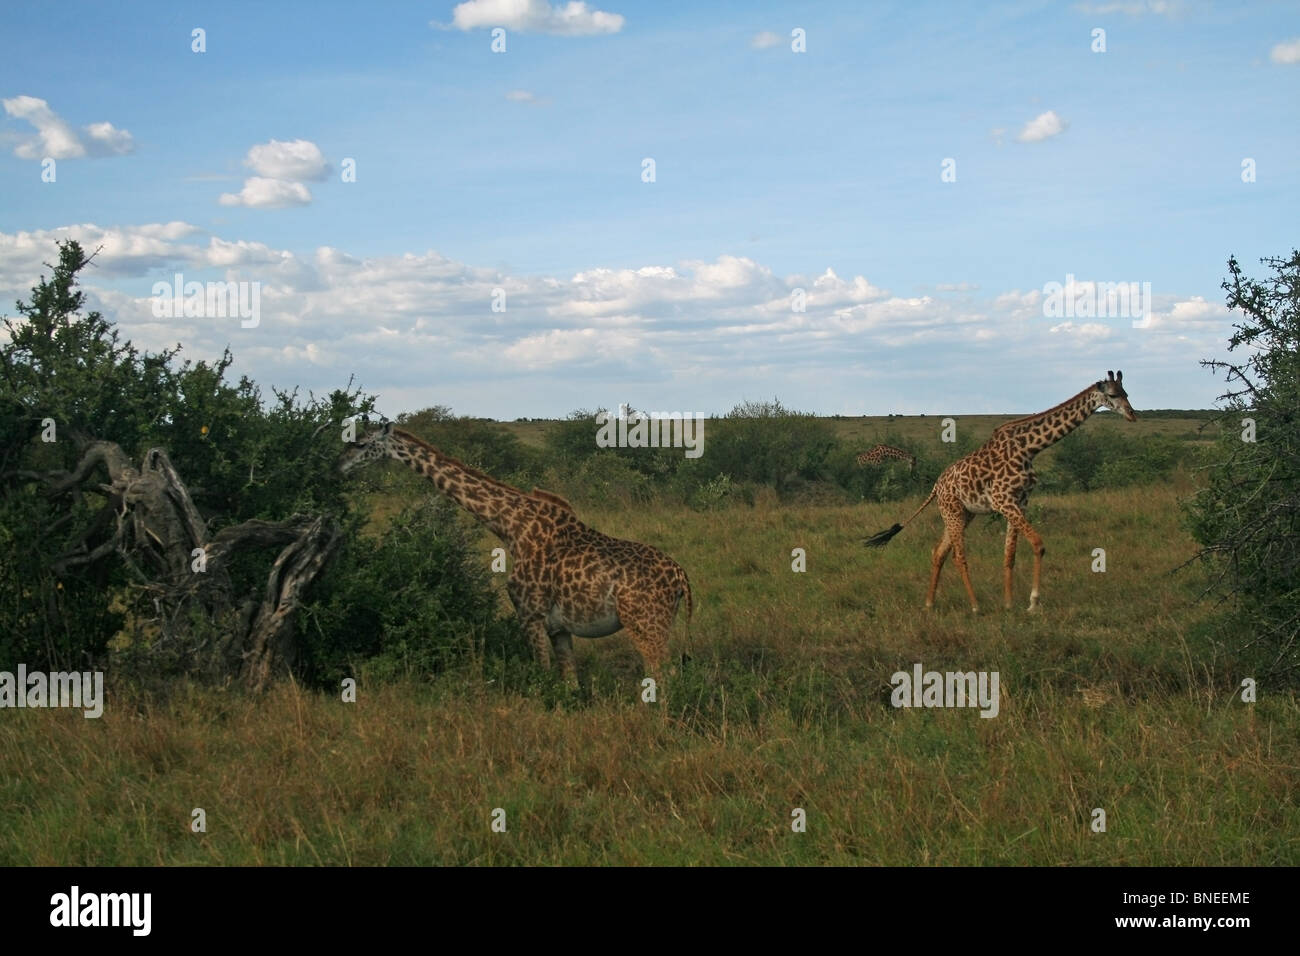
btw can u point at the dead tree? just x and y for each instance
(150, 523)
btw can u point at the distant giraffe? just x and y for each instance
(997, 477)
(565, 578)
(879, 453)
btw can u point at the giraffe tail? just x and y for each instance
(690, 610)
(883, 538)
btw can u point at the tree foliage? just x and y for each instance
(1248, 517)
(111, 459)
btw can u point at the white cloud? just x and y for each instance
(281, 165)
(573, 347)
(1086, 330)
(1020, 306)
(262, 193)
(765, 40)
(297, 159)
(56, 139)
(573, 18)
(1041, 127)
(1189, 315)
(242, 253)
(1288, 52)
(122, 250)
(695, 334)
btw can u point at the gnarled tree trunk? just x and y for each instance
(164, 542)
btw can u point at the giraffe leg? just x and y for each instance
(562, 643)
(1008, 562)
(1016, 519)
(937, 557)
(955, 519)
(648, 623)
(539, 641)
(959, 556)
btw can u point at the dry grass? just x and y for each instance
(1117, 696)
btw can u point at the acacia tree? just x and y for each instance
(1247, 519)
(101, 537)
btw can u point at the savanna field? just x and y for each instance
(1123, 693)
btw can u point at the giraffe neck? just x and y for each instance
(504, 510)
(1038, 432)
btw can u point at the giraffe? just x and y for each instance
(565, 578)
(880, 453)
(997, 476)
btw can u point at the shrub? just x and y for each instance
(1248, 517)
(416, 600)
(765, 442)
(482, 444)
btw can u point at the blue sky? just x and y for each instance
(522, 171)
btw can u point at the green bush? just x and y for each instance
(482, 444)
(1102, 457)
(608, 480)
(241, 457)
(767, 443)
(1248, 516)
(417, 600)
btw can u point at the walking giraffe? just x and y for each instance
(997, 477)
(565, 578)
(879, 453)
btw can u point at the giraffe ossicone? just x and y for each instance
(997, 477)
(564, 578)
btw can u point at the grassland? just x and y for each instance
(1121, 695)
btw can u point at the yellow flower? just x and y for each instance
(203, 430)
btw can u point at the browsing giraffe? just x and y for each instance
(879, 453)
(565, 578)
(997, 477)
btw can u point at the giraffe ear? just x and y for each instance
(388, 429)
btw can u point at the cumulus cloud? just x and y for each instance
(280, 165)
(1084, 330)
(573, 18)
(297, 159)
(1286, 53)
(1190, 315)
(708, 327)
(1041, 127)
(123, 250)
(262, 193)
(56, 139)
(765, 40)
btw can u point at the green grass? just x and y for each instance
(1120, 695)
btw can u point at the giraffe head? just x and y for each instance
(1114, 396)
(374, 444)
